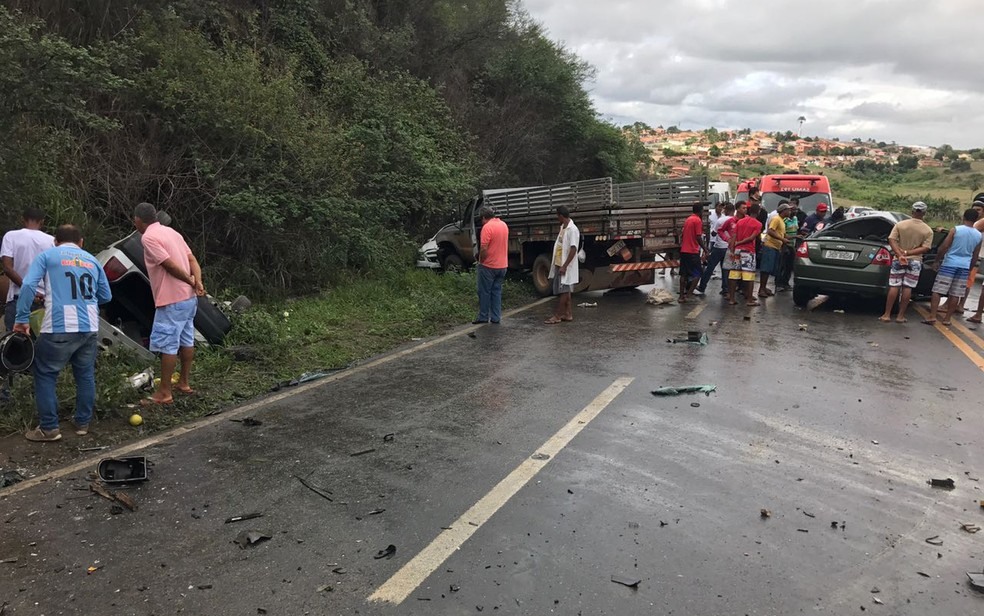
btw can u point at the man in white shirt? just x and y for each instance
(564, 266)
(18, 251)
(719, 250)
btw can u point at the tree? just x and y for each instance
(672, 130)
(814, 151)
(960, 166)
(944, 151)
(907, 162)
(715, 151)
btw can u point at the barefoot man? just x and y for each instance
(910, 240)
(176, 280)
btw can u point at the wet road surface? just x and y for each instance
(842, 421)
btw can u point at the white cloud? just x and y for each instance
(903, 70)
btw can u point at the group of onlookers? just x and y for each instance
(743, 252)
(55, 274)
(737, 245)
(956, 264)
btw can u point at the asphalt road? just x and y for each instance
(842, 421)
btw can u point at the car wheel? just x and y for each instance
(802, 295)
(453, 263)
(541, 273)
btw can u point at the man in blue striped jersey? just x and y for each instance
(76, 285)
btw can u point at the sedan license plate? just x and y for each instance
(840, 255)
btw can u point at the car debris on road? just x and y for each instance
(684, 389)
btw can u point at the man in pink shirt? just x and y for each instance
(493, 259)
(176, 280)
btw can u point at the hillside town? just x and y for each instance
(723, 153)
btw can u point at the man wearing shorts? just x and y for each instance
(176, 281)
(747, 230)
(910, 240)
(979, 225)
(959, 250)
(691, 247)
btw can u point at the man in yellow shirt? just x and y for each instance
(775, 239)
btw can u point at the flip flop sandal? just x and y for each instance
(148, 402)
(929, 321)
(552, 321)
(973, 320)
(901, 320)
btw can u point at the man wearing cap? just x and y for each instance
(814, 220)
(910, 240)
(787, 254)
(772, 245)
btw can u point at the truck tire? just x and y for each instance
(802, 295)
(541, 273)
(453, 263)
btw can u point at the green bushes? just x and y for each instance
(290, 143)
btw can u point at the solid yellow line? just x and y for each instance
(91, 462)
(421, 566)
(975, 339)
(696, 311)
(962, 346)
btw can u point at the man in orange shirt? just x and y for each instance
(493, 259)
(176, 282)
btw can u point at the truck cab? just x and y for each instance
(812, 190)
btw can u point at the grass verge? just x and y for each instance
(278, 340)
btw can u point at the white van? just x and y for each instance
(718, 192)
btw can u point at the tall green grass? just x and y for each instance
(278, 340)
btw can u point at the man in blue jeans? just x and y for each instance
(720, 235)
(76, 285)
(493, 259)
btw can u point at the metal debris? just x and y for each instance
(946, 484)
(632, 583)
(249, 538)
(319, 491)
(244, 517)
(386, 552)
(934, 540)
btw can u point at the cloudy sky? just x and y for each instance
(909, 71)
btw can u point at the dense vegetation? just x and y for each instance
(290, 140)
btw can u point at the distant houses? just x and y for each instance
(680, 152)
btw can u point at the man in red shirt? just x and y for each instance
(691, 247)
(493, 259)
(742, 243)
